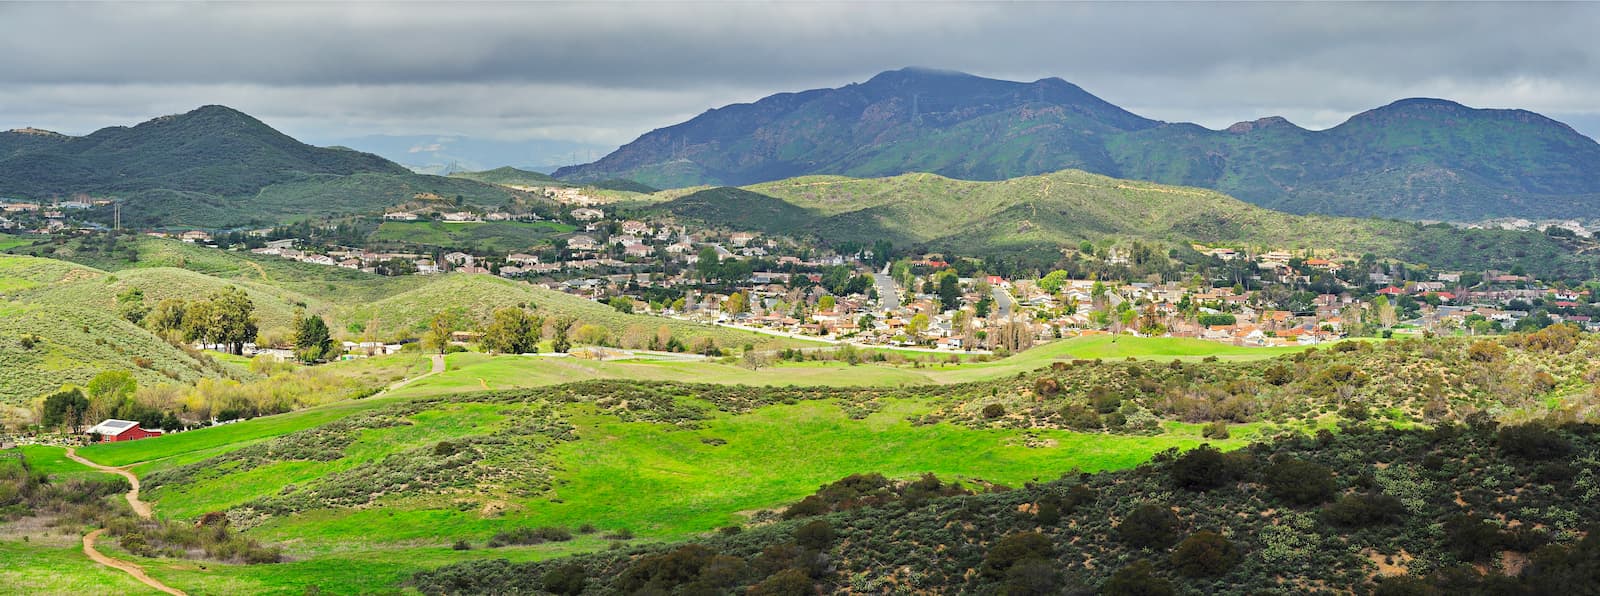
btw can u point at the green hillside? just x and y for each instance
(383, 306)
(47, 341)
(215, 167)
(1415, 158)
(511, 177)
(1041, 214)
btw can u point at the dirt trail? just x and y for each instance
(438, 367)
(140, 507)
(129, 568)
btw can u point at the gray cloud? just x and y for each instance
(602, 73)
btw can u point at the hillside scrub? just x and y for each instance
(1231, 538)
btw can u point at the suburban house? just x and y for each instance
(195, 236)
(587, 214)
(113, 430)
(400, 216)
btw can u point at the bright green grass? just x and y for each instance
(476, 372)
(8, 241)
(53, 461)
(662, 482)
(58, 567)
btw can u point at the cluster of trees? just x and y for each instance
(110, 394)
(225, 318)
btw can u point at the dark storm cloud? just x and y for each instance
(605, 72)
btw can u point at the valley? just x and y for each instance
(918, 332)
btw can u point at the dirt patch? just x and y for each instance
(1389, 565)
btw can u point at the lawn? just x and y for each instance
(9, 241)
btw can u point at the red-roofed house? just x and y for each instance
(112, 431)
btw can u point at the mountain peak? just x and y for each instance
(919, 72)
(1262, 124)
(37, 132)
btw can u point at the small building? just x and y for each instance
(587, 214)
(113, 430)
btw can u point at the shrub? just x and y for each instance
(1137, 579)
(568, 580)
(993, 411)
(1033, 577)
(530, 536)
(1205, 554)
(1205, 468)
(1362, 510)
(1216, 430)
(789, 582)
(1486, 350)
(1149, 526)
(1533, 441)
(1299, 482)
(815, 535)
(1015, 548)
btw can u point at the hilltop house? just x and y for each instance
(587, 214)
(400, 216)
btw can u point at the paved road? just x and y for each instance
(1003, 303)
(888, 291)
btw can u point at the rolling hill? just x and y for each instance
(72, 341)
(71, 308)
(510, 176)
(214, 167)
(1036, 215)
(1415, 158)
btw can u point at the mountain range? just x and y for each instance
(1414, 158)
(215, 167)
(1030, 219)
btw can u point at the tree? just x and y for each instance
(949, 292)
(1053, 281)
(166, 319)
(622, 304)
(66, 407)
(917, 324)
(514, 331)
(312, 342)
(827, 302)
(735, 304)
(131, 306)
(116, 384)
(1385, 311)
(231, 320)
(437, 338)
(561, 342)
(593, 335)
(707, 266)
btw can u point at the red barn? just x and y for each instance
(112, 431)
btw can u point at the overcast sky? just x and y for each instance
(603, 73)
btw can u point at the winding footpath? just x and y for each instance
(143, 509)
(438, 367)
(139, 507)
